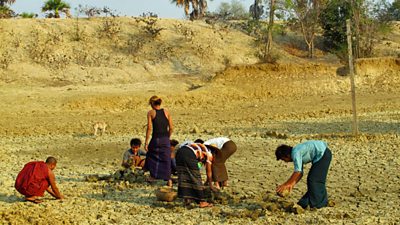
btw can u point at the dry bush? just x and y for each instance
(185, 31)
(39, 47)
(272, 57)
(165, 52)
(78, 33)
(45, 49)
(15, 39)
(263, 55)
(58, 60)
(134, 45)
(90, 11)
(5, 58)
(96, 57)
(150, 27)
(202, 51)
(148, 33)
(293, 50)
(84, 57)
(110, 28)
(81, 56)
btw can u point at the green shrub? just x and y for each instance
(27, 15)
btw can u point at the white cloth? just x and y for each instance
(218, 142)
(185, 142)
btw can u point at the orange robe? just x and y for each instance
(33, 180)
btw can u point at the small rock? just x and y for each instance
(331, 203)
(297, 209)
(272, 207)
(196, 130)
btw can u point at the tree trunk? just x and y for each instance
(56, 14)
(311, 49)
(187, 8)
(270, 26)
(356, 20)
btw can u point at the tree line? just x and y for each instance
(310, 17)
(313, 18)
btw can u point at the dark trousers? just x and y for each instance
(316, 195)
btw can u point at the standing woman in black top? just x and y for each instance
(158, 157)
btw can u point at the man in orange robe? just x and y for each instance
(37, 177)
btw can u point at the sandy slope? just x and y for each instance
(258, 106)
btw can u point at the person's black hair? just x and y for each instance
(51, 160)
(199, 141)
(204, 160)
(155, 100)
(174, 142)
(136, 142)
(283, 151)
(212, 149)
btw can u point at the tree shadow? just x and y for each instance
(342, 128)
(70, 179)
(336, 129)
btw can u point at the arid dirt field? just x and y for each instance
(213, 86)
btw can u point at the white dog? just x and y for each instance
(99, 126)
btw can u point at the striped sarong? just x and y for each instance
(190, 185)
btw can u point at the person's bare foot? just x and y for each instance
(205, 204)
(187, 201)
(33, 200)
(217, 186)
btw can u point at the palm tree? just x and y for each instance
(199, 7)
(4, 2)
(256, 10)
(56, 6)
(5, 11)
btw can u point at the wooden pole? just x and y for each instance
(351, 70)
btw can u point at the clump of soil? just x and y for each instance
(273, 203)
(245, 213)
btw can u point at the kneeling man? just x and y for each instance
(37, 177)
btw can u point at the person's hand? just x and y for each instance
(146, 147)
(61, 197)
(283, 187)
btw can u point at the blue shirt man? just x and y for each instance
(309, 151)
(320, 156)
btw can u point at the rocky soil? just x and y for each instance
(259, 106)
